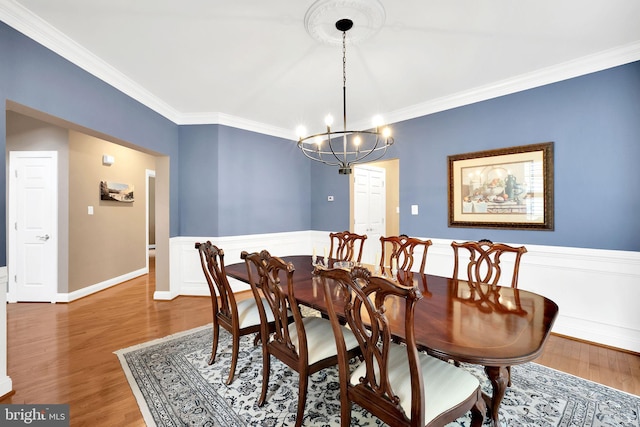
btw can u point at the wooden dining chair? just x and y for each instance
(483, 265)
(239, 318)
(346, 246)
(395, 382)
(305, 345)
(402, 250)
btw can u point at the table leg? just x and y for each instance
(499, 377)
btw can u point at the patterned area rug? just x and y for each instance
(174, 386)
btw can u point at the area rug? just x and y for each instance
(174, 386)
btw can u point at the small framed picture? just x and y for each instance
(116, 192)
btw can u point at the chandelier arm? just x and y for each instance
(319, 153)
(362, 159)
(375, 148)
(344, 146)
(321, 160)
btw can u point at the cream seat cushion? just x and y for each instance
(320, 340)
(445, 385)
(248, 314)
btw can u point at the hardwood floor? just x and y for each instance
(63, 353)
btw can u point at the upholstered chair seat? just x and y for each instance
(248, 313)
(320, 342)
(445, 387)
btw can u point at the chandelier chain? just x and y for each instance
(344, 58)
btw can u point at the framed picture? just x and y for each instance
(116, 191)
(503, 188)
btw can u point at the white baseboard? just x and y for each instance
(6, 385)
(602, 333)
(596, 290)
(164, 295)
(80, 293)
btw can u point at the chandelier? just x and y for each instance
(344, 148)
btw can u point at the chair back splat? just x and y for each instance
(405, 251)
(346, 246)
(394, 380)
(483, 265)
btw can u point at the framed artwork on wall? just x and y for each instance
(116, 191)
(502, 188)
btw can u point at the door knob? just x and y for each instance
(43, 238)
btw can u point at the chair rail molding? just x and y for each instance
(596, 290)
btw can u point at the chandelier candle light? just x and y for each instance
(347, 147)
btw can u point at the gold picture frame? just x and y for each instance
(502, 188)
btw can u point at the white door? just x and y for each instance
(369, 208)
(33, 226)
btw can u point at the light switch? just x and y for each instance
(414, 209)
(90, 210)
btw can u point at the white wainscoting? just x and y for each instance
(186, 272)
(598, 291)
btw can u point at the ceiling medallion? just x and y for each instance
(368, 17)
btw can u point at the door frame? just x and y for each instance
(148, 175)
(12, 241)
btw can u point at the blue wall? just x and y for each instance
(594, 121)
(199, 180)
(235, 182)
(325, 181)
(262, 184)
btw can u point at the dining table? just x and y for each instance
(492, 326)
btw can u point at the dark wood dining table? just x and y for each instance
(491, 326)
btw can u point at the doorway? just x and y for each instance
(33, 226)
(374, 191)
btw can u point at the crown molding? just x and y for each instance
(553, 74)
(24, 21)
(236, 122)
(34, 27)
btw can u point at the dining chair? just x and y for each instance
(239, 318)
(402, 250)
(305, 344)
(346, 246)
(395, 382)
(483, 265)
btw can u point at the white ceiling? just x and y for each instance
(252, 64)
